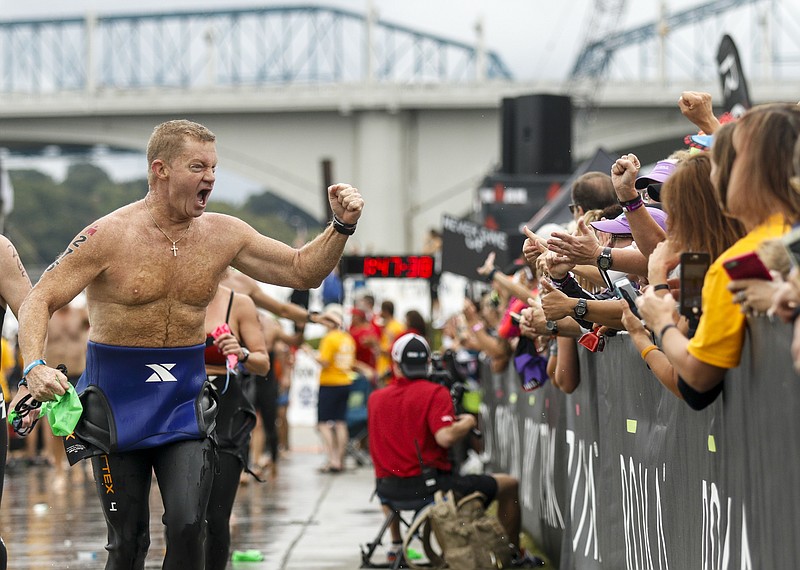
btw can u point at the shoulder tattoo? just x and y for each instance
(82, 238)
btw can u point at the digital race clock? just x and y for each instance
(389, 266)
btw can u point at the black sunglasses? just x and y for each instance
(572, 208)
(653, 192)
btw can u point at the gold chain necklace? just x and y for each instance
(174, 248)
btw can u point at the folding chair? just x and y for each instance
(398, 508)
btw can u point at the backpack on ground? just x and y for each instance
(469, 538)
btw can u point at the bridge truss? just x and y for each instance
(229, 48)
(682, 45)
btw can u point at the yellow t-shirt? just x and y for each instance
(720, 333)
(338, 349)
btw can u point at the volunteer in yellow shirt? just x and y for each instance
(337, 355)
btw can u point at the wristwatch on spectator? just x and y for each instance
(604, 260)
(552, 327)
(581, 308)
(245, 354)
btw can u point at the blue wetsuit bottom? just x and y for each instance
(184, 471)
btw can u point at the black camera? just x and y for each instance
(452, 374)
(442, 369)
(447, 371)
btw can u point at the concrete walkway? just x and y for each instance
(301, 520)
(320, 519)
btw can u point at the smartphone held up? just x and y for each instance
(624, 289)
(693, 272)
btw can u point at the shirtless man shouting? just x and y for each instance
(150, 269)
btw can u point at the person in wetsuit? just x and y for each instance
(150, 269)
(265, 388)
(236, 417)
(14, 285)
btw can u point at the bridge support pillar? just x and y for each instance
(384, 172)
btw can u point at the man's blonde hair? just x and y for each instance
(167, 141)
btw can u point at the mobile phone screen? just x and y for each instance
(624, 289)
(693, 273)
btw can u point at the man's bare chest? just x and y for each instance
(154, 273)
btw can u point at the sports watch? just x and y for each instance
(552, 327)
(581, 308)
(245, 354)
(604, 259)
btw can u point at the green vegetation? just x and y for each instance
(48, 214)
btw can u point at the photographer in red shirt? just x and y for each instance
(411, 424)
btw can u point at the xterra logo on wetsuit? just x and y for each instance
(161, 373)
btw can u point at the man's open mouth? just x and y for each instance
(203, 195)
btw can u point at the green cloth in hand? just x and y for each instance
(63, 413)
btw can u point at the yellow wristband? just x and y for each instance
(647, 350)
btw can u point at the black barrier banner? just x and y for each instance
(621, 474)
(466, 244)
(734, 87)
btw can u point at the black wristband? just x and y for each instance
(342, 228)
(490, 277)
(560, 282)
(665, 329)
(632, 205)
(632, 201)
(661, 287)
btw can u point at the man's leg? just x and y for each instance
(394, 526)
(508, 509)
(123, 485)
(185, 473)
(218, 513)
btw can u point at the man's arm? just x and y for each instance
(70, 274)
(501, 280)
(15, 284)
(646, 232)
(271, 261)
(449, 435)
(568, 372)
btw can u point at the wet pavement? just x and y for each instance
(300, 520)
